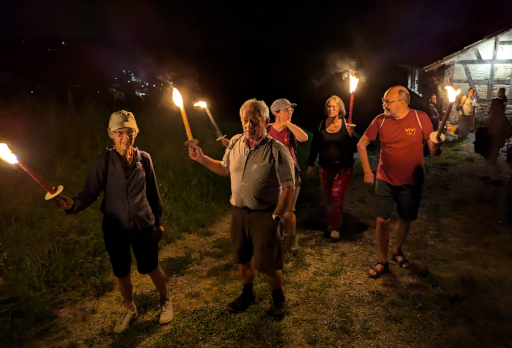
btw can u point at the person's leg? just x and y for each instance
(327, 181)
(339, 188)
(384, 205)
(402, 230)
(242, 247)
(125, 287)
(274, 279)
(247, 272)
(158, 277)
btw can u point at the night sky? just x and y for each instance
(229, 53)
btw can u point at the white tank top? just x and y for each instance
(467, 107)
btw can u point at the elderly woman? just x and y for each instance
(132, 208)
(335, 142)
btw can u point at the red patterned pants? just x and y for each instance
(334, 186)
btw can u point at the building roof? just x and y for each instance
(457, 54)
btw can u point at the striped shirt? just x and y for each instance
(257, 173)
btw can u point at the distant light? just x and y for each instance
(115, 78)
(146, 83)
(31, 91)
(142, 86)
(63, 43)
(48, 49)
(153, 85)
(162, 84)
(124, 71)
(98, 91)
(128, 81)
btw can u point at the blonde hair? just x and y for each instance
(340, 103)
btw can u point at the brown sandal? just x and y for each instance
(404, 263)
(378, 272)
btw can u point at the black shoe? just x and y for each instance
(277, 310)
(241, 303)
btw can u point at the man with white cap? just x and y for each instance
(132, 208)
(284, 131)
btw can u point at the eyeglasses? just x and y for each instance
(288, 110)
(121, 134)
(384, 101)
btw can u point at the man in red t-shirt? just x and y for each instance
(400, 173)
(284, 131)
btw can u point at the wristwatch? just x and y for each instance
(276, 218)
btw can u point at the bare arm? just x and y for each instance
(284, 204)
(299, 134)
(363, 156)
(215, 166)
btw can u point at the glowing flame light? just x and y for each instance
(176, 97)
(7, 155)
(452, 94)
(353, 84)
(201, 104)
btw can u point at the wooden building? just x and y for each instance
(485, 66)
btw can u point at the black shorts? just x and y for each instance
(144, 244)
(254, 232)
(407, 199)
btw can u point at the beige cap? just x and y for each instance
(122, 119)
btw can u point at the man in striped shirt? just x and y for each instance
(258, 166)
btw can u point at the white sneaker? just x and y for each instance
(166, 312)
(124, 321)
(335, 234)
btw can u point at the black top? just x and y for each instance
(131, 196)
(336, 150)
(431, 112)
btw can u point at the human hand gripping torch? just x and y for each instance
(353, 86)
(7, 155)
(176, 97)
(438, 137)
(217, 130)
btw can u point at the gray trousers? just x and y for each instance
(464, 125)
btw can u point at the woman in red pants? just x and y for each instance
(336, 143)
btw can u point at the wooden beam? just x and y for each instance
(484, 82)
(477, 53)
(504, 43)
(485, 61)
(468, 76)
(491, 73)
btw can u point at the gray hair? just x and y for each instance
(340, 103)
(258, 105)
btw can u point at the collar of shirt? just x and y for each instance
(258, 143)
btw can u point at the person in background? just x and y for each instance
(503, 97)
(284, 131)
(432, 111)
(132, 208)
(262, 185)
(335, 143)
(498, 130)
(400, 174)
(465, 114)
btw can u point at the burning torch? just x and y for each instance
(438, 137)
(217, 130)
(7, 155)
(176, 97)
(353, 86)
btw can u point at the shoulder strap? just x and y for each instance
(382, 123)
(418, 118)
(107, 162)
(320, 126)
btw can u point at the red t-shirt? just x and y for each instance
(401, 154)
(283, 137)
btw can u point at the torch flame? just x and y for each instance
(353, 84)
(7, 155)
(201, 104)
(452, 94)
(176, 97)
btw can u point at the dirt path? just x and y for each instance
(454, 295)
